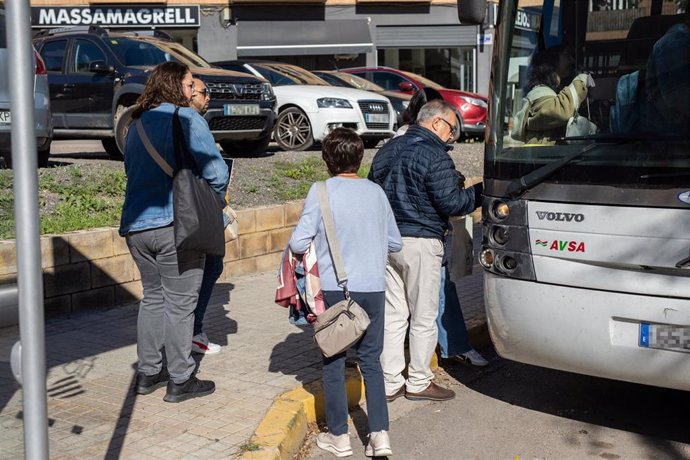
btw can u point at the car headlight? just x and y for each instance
(333, 103)
(474, 101)
(405, 103)
(267, 92)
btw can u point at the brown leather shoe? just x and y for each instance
(432, 393)
(397, 394)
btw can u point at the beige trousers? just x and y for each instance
(413, 280)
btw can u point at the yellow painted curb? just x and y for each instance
(282, 431)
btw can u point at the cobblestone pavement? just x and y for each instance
(93, 412)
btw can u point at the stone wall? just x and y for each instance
(93, 268)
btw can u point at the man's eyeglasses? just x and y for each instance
(452, 127)
(203, 92)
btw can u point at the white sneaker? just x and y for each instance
(337, 445)
(200, 344)
(472, 358)
(379, 444)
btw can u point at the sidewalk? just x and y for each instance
(93, 412)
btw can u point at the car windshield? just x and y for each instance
(143, 53)
(423, 80)
(624, 140)
(286, 74)
(359, 82)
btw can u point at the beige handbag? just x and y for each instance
(341, 325)
(232, 230)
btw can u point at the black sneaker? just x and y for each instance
(192, 388)
(147, 384)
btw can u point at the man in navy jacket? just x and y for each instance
(421, 182)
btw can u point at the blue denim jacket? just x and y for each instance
(148, 197)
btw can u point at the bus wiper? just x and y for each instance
(672, 174)
(537, 176)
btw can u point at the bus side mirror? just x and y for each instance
(471, 11)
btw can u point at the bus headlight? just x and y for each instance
(486, 258)
(500, 235)
(508, 263)
(500, 210)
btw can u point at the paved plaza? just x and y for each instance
(94, 413)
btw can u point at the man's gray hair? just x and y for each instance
(433, 109)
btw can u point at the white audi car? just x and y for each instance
(309, 108)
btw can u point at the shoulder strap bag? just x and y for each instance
(343, 324)
(197, 208)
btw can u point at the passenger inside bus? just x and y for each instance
(655, 97)
(667, 81)
(550, 108)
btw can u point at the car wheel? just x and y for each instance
(43, 155)
(293, 131)
(123, 117)
(370, 143)
(111, 148)
(253, 148)
(461, 135)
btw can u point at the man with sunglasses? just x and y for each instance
(213, 267)
(200, 97)
(421, 183)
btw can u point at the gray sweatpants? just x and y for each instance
(171, 282)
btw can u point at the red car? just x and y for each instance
(470, 106)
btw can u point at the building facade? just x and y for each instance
(421, 36)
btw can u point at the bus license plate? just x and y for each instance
(241, 109)
(376, 117)
(5, 117)
(665, 337)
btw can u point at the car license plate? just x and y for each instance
(5, 117)
(376, 117)
(665, 337)
(241, 109)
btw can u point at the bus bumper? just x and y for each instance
(585, 331)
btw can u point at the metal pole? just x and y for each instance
(29, 277)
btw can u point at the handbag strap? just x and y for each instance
(152, 150)
(340, 274)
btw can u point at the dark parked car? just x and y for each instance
(471, 107)
(399, 101)
(95, 75)
(42, 118)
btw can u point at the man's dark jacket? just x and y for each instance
(421, 183)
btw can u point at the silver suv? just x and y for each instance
(42, 115)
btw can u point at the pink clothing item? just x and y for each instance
(287, 292)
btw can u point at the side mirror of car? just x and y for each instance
(406, 87)
(101, 67)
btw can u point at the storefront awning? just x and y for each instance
(290, 38)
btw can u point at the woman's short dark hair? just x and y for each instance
(543, 69)
(420, 98)
(163, 85)
(342, 151)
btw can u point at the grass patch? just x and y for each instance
(291, 181)
(249, 447)
(70, 198)
(85, 196)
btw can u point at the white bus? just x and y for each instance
(586, 237)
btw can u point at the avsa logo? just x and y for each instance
(561, 245)
(560, 216)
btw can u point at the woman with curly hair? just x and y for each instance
(170, 278)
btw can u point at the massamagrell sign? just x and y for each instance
(115, 16)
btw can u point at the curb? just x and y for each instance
(281, 433)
